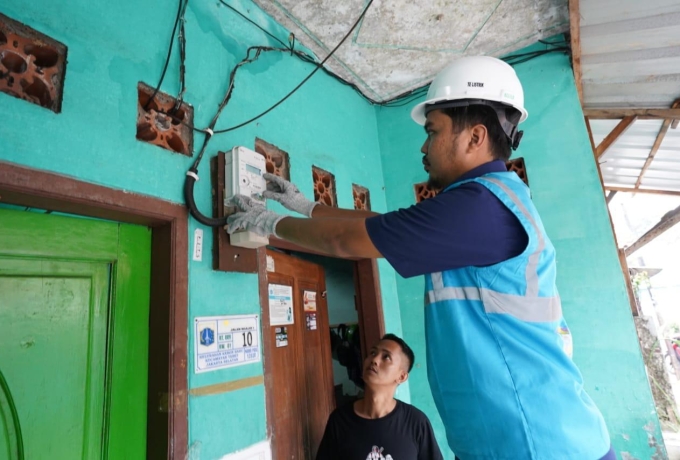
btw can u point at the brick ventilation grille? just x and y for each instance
(517, 165)
(156, 127)
(32, 65)
(278, 161)
(424, 192)
(324, 187)
(362, 197)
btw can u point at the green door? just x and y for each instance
(74, 302)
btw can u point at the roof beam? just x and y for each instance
(608, 141)
(655, 148)
(657, 144)
(642, 113)
(611, 195)
(643, 190)
(667, 221)
(575, 32)
(590, 135)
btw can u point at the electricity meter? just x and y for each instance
(243, 169)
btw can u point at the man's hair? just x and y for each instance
(466, 117)
(404, 348)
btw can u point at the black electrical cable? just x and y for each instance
(182, 59)
(252, 22)
(167, 59)
(192, 174)
(303, 56)
(4, 387)
(311, 74)
(525, 57)
(399, 100)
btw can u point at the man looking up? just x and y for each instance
(378, 426)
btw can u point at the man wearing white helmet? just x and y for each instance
(498, 349)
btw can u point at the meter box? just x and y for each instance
(243, 169)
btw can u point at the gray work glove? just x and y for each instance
(286, 193)
(253, 217)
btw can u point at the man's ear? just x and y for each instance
(403, 376)
(478, 135)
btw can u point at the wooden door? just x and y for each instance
(298, 367)
(74, 297)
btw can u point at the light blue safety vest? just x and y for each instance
(499, 352)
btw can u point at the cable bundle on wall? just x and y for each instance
(400, 100)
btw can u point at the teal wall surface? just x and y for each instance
(114, 45)
(566, 189)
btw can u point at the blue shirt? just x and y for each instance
(465, 226)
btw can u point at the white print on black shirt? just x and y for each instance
(376, 454)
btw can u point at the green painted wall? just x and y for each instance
(114, 45)
(566, 189)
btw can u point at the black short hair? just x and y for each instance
(465, 117)
(404, 348)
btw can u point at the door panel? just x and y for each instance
(316, 354)
(302, 397)
(53, 322)
(74, 302)
(283, 384)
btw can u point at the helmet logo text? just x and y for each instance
(475, 84)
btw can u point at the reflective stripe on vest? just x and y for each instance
(530, 307)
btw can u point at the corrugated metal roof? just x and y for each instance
(622, 163)
(630, 53)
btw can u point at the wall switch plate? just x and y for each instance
(198, 245)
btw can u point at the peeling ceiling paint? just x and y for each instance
(400, 45)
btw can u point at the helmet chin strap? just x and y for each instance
(509, 128)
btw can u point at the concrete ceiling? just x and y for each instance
(400, 45)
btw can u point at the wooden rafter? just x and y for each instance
(642, 114)
(575, 32)
(643, 190)
(608, 141)
(655, 148)
(611, 195)
(657, 144)
(667, 221)
(590, 134)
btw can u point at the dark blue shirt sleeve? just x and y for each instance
(466, 226)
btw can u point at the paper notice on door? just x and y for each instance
(280, 305)
(281, 337)
(309, 300)
(311, 321)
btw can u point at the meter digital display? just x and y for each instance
(253, 169)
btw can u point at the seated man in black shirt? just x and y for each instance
(378, 426)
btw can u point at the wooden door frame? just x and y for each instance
(369, 304)
(33, 188)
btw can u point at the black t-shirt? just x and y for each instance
(403, 434)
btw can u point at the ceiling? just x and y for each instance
(400, 45)
(630, 65)
(630, 52)
(629, 58)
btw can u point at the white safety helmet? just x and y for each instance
(478, 80)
